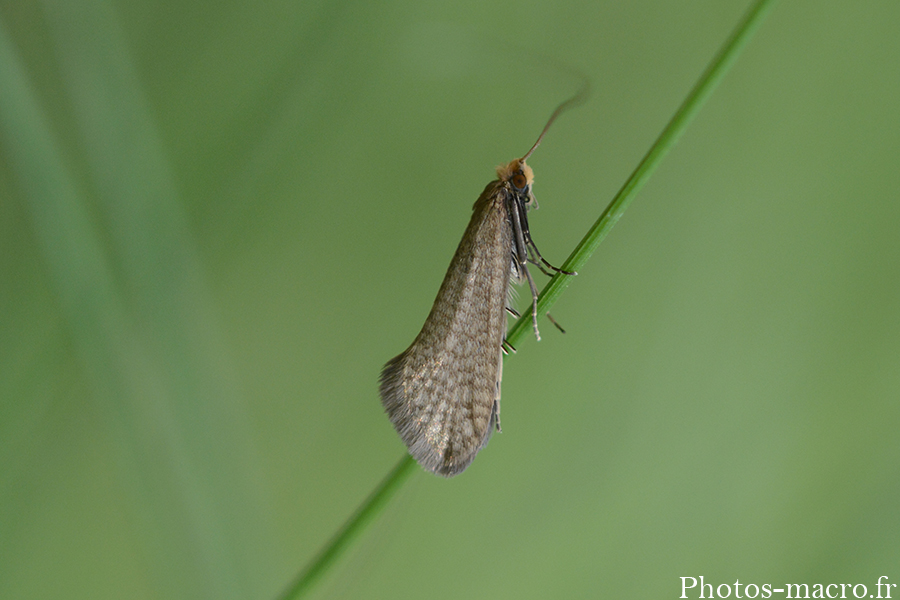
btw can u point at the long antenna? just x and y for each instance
(572, 102)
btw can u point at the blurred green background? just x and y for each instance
(219, 219)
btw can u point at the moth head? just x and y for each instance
(517, 174)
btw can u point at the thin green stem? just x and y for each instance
(351, 529)
(677, 126)
(373, 505)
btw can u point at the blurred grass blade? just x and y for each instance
(130, 282)
(675, 128)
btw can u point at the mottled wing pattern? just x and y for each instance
(443, 393)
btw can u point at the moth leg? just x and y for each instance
(534, 301)
(540, 266)
(516, 314)
(552, 320)
(533, 248)
(495, 417)
(507, 348)
(495, 409)
(520, 231)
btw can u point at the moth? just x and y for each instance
(443, 393)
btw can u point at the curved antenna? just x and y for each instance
(572, 102)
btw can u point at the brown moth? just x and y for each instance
(443, 393)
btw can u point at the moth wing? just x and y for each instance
(443, 393)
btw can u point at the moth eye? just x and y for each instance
(519, 180)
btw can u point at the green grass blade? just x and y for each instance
(713, 74)
(676, 127)
(352, 528)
